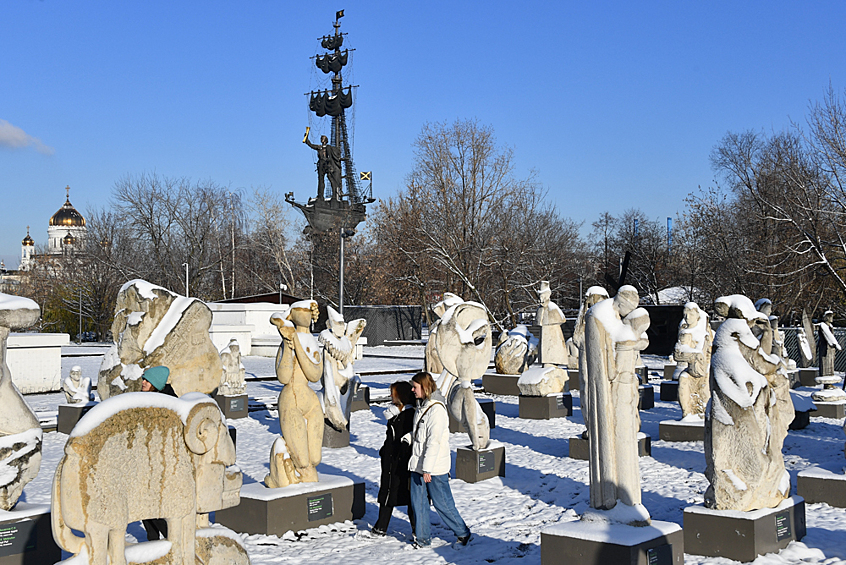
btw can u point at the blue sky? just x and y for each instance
(614, 104)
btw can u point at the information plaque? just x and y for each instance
(661, 555)
(486, 461)
(319, 507)
(236, 404)
(17, 537)
(782, 522)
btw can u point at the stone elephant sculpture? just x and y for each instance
(139, 456)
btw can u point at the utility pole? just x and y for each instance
(186, 278)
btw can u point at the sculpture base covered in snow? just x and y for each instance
(808, 376)
(833, 410)
(505, 385)
(541, 381)
(597, 543)
(545, 407)
(26, 535)
(234, 405)
(70, 414)
(820, 485)
(335, 439)
(275, 511)
(692, 429)
(743, 536)
(473, 466)
(580, 447)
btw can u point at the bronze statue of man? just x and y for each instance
(328, 165)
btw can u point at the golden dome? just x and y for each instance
(27, 240)
(67, 215)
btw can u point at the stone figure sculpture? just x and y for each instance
(553, 351)
(809, 355)
(154, 326)
(463, 342)
(542, 381)
(142, 456)
(749, 413)
(20, 433)
(76, 387)
(328, 165)
(233, 383)
(827, 345)
(693, 360)
(339, 380)
(594, 295)
(614, 334)
(516, 350)
(294, 457)
(432, 363)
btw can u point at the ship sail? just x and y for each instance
(331, 62)
(327, 104)
(331, 42)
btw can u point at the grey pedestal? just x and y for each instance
(361, 400)
(669, 391)
(669, 370)
(69, 415)
(793, 378)
(334, 439)
(829, 410)
(801, 419)
(488, 407)
(474, 466)
(573, 379)
(743, 536)
(808, 376)
(589, 543)
(234, 406)
(26, 536)
(679, 430)
(546, 407)
(506, 385)
(580, 447)
(820, 485)
(642, 372)
(647, 397)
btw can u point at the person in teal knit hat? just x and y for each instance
(154, 379)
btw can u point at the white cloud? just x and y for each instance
(14, 137)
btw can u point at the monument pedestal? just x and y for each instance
(361, 400)
(546, 407)
(681, 430)
(334, 439)
(69, 415)
(580, 447)
(808, 376)
(743, 536)
(488, 407)
(829, 409)
(647, 397)
(573, 379)
(793, 378)
(274, 511)
(26, 536)
(233, 406)
(820, 485)
(474, 466)
(642, 371)
(670, 391)
(595, 543)
(506, 385)
(669, 370)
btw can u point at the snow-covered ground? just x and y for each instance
(542, 485)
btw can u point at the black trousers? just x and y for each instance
(384, 518)
(156, 528)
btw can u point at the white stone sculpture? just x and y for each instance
(298, 363)
(76, 387)
(693, 360)
(141, 456)
(573, 353)
(463, 343)
(233, 383)
(553, 350)
(749, 413)
(808, 357)
(20, 433)
(431, 362)
(594, 295)
(827, 345)
(542, 381)
(516, 351)
(614, 334)
(340, 382)
(154, 326)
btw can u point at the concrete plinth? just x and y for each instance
(234, 406)
(743, 536)
(361, 400)
(829, 410)
(488, 407)
(506, 385)
(808, 376)
(474, 466)
(573, 379)
(669, 391)
(820, 485)
(642, 371)
(801, 420)
(669, 369)
(793, 378)
(647, 397)
(334, 439)
(26, 536)
(591, 543)
(681, 430)
(274, 511)
(546, 407)
(580, 447)
(69, 415)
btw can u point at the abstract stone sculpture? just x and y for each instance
(542, 381)
(614, 334)
(827, 345)
(20, 433)
(432, 363)
(340, 382)
(298, 363)
(140, 456)
(516, 351)
(749, 413)
(553, 350)
(76, 387)
(693, 357)
(233, 383)
(154, 326)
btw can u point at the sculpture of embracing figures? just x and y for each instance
(693, 355)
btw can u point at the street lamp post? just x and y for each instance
(344, 233)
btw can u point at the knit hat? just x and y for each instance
(156, 376)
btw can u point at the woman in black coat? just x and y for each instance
(395, 453)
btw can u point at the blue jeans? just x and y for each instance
(441, 495)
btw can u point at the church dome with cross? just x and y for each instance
(66, 228)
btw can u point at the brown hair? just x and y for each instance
(426, 382)
(403, 391)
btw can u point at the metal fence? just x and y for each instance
(388, 323)
(791, 343)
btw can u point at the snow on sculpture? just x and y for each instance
(693, 357)
(749, 413)
(233, 383)
(516, 350)
(20, 433)
(294, 456)
(76, 387)
(432, 363)
(463, 345)
(594, 295)
(154, 326)
(138, 456)
(828, 348)
(553, 350)
(340, 382)
(614, 334)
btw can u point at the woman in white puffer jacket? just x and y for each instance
(430, 463)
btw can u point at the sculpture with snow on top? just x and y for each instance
(765, 306)
(692, 354)
(431, 362)
(615, 332)
(233, 383)
(77, 388)
(593, 295)
(463, 344)
(553, 350)
(749, 413)
(516, 350)
(154, 326)
(20, 432)
(828, 348)
(294, 456)
(339, 380)
(805, 336)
